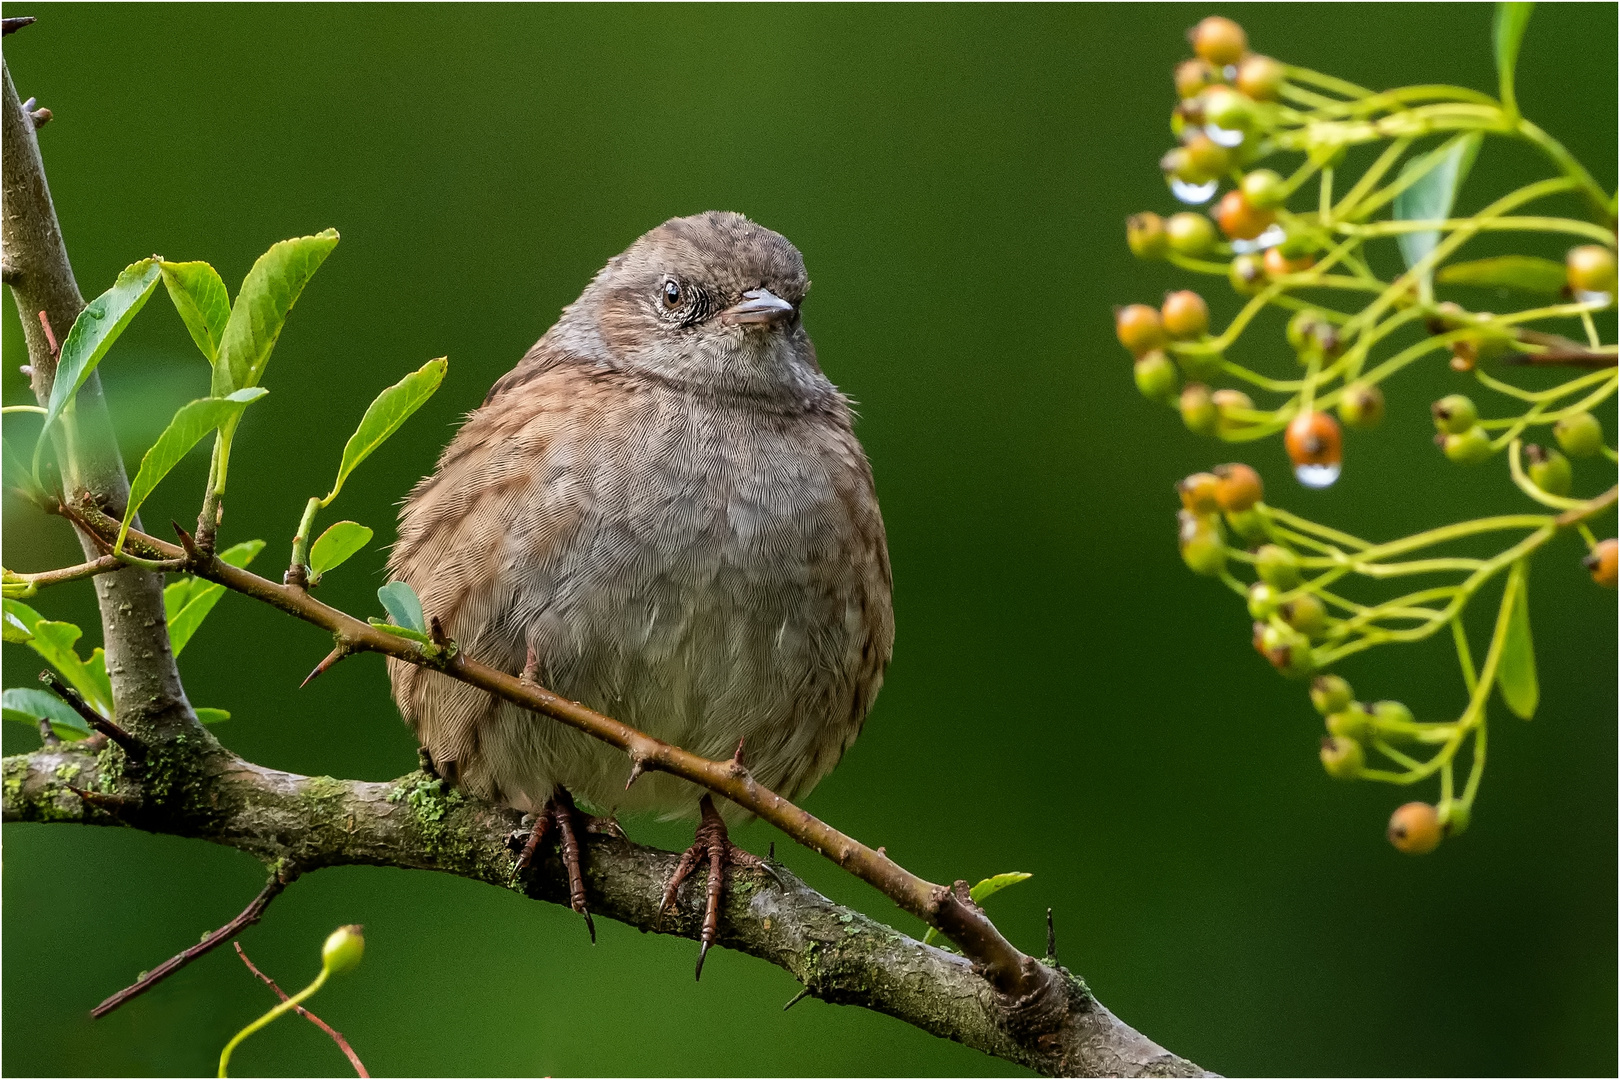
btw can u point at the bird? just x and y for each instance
(663, 513)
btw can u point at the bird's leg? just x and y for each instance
(712, 845)
(559, 815)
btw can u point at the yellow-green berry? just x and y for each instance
(1202, 547)
(343, 949)
(1468, 447)
(1156, 376)
(1277, 567)
(1579, 434)
(1362, 405)
(1454, 414)
(1306, 614)
(1350, 722)
(1146, 236)
(1342, 758)
(1198, 408)
(1549, 470)
(1330, 693)
(1189, 233)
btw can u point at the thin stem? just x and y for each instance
(284, 1007)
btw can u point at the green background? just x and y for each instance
(1065, 698)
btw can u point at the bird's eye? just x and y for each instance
(672, 294)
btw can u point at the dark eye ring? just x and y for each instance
(672, 294)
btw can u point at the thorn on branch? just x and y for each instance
(331, 660)
(101, 800)
(11, 25)
(50, 335)
(796, 998)
(250, 915)
(337, 1036)
(529, 676)
(638, 765)
(131, 746)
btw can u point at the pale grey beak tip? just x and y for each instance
(757, 306)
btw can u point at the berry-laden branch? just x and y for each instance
(1315, 594)
(169, 774)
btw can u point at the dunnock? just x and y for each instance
(662, 512)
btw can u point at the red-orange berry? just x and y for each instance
(1220, 41)
(1239, 488)
(1604, 561)
(1415, 828)
(1313, 438)
(1139, 328)
(1184, 314)
(1239, 219)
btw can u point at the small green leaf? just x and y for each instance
(400, 631)
(403, 606)
(199, 296)
(31, 706)
(187, 602)
(334, 546)
(16, 630)
(268, 294)
(383, 417)
(1507, 32)
(1431, 197)
(1529, 273)
(95, 330)
(983, 891)
(1516, 669)
(213, 716)
(186, 430)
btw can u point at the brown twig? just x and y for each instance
(106, 564)
(250, 915)
(131, 746)
(946, 908)
(337, 1036)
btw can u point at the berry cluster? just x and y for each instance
(1238, 109)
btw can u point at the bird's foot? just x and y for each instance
(561, 817)
(714, 848)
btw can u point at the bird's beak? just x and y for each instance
(757, 306)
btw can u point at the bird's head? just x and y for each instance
(712, 299)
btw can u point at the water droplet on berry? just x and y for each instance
(1223, 136)
(1273, 236)
(1193, 194)
(1316, 476)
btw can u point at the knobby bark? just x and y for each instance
(186, 784)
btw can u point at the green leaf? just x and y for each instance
(403, 606)
(199, 296)
(334, 546)
(384, 416)
(1529, 273)
(268, 294)
(1431, 197)
(1507, 32)
(983, 891)
(187, 602)
(185, 431)
(31, 706)
(95, 330)
(19, 621)
(1516, 668)
(213, 716)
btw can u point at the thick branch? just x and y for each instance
(146, 684)
(418, 823)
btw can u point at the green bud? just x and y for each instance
(1454, 817)
(1454, 414)
(1146, 236)
(1579, 434)
(1468, 448)
(1203, 548)
(1350, 723)
(1391, 714)
(1277, 567)
(1262, 601)
(1306, 614)
(1549, 470)
(1362, 405)
(1198, 410)
(343, 949)
(1250, 524)
(1342, 758)
(1329, 694)
(1189, 233)
(1264, 189)
(1156, 376)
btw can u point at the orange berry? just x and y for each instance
(1603, 562)
(1220, 41)
(1139, 328)
(1184, 314)
(1313, 438)
(1260, 77)
(1277, 264)
(1239, 488)
(1415, 828)
(1238, 219)
(1198, 493)
(1193, 75)
(1591, 269)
